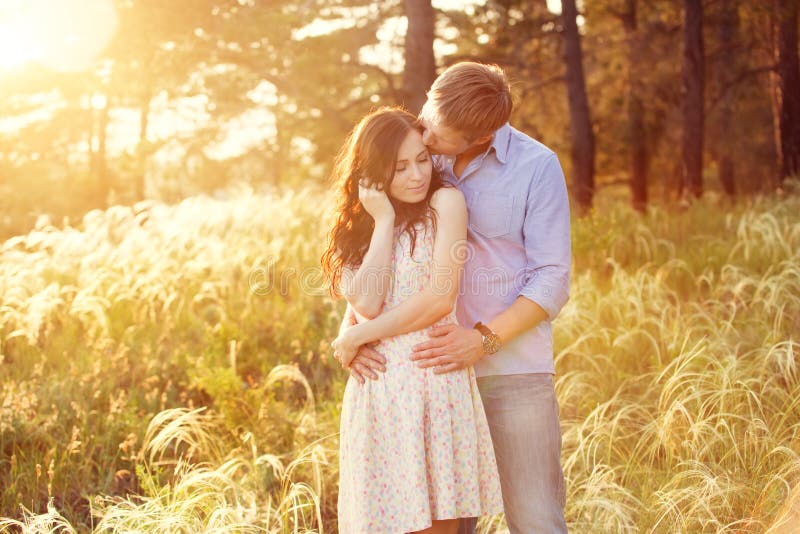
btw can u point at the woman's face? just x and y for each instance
(412, 170)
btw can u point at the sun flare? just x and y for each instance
(60, 34)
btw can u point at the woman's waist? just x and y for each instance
(409, 339)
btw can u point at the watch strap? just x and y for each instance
(482, 328)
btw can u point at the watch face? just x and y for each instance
(491, 344)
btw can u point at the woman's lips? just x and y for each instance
(418, 189)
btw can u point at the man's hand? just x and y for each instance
(366, 363)
(450, 348)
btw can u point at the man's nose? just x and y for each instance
(427, 138)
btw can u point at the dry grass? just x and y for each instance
(677, 361)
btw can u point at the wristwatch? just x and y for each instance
(491, 341)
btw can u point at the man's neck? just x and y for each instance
(464, 159)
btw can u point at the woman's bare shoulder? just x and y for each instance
(448, 199)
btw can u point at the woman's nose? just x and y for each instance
(418, 172)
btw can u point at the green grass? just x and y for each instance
(165, 369)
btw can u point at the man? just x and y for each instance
(516, 280)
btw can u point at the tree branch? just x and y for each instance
(744, 75)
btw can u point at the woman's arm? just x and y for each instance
(348, 319)
(366, 288)
(439, 297)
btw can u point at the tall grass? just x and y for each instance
(679, 380)
(164, 370)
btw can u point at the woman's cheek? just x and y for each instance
(396, 186)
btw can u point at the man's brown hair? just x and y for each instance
(472, 98)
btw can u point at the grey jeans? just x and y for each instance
(522, 412)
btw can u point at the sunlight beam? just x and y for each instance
(65, 35)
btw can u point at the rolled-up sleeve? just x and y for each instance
(546, 236)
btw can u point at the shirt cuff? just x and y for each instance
(550, 298)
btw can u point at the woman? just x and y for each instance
(415, 449)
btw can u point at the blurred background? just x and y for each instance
(164, 329)
(113, 101)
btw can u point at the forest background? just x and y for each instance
(164, 333)
(108, 103)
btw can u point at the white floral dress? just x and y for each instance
(414, 445)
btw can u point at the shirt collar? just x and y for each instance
(501, 141)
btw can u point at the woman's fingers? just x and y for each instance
(365, 189)
(366, 193)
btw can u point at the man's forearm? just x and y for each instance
(521, 316)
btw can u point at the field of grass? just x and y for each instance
(165, 369)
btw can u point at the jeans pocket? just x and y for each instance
(490, 214)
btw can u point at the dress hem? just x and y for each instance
(429, 523)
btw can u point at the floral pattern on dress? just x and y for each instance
(414, 445)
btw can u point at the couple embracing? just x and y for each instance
(452, 248)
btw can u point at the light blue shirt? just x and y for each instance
(518, 241)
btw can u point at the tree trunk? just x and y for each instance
(103, 185)
(788, 87)
(420, 65)
(144, 117)
(726, 68)
(775, 101)
(636, 130)
(579, 117)
(693, 112)
(91, 141)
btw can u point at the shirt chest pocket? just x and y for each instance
(490, 214)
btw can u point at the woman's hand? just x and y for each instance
(375, 201)
(345, 347)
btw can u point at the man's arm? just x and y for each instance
(546, 235)
(521, 316)
(548, 250)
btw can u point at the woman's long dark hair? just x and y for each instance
(370, 152)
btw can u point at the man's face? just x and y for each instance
(439, 138)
